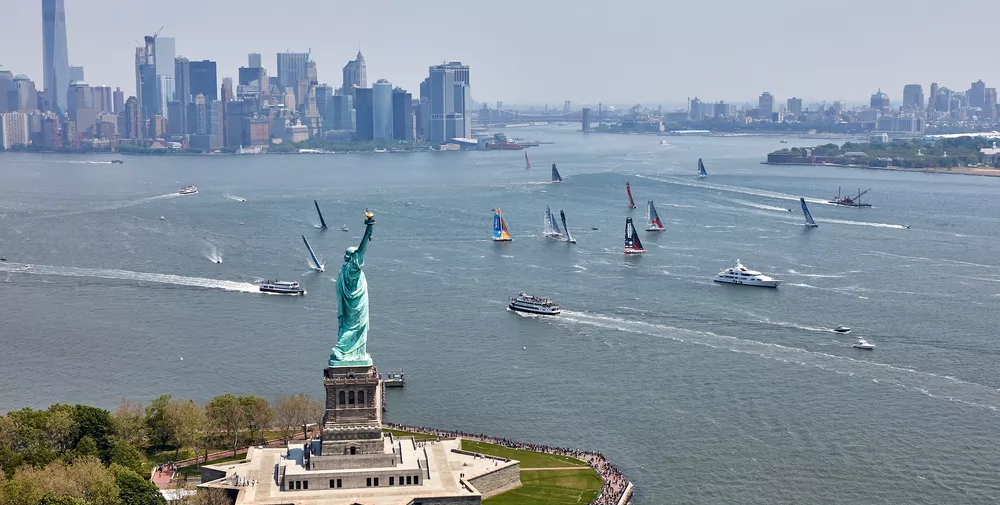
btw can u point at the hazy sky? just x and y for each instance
(548, 51)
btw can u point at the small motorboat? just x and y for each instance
(863, 344)
(842, 329)
(344, 228)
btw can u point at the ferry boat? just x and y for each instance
(743, 276)
(394, 380)
(632, 243)
(850, 201)
(188, 190)
(500, 231)
(282, 287)
(628, 189)
(536, 305)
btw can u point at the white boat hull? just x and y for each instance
(749, 282)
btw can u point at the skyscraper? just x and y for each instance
(182, 94)
(291, 68)
(253, 60)
(355, 74)
(977, 94)
(445, 120)
(766, 105)
(402, 115)
(204, 80)
(913, 97)
(364, 114)
(382, 109)
(55, 56)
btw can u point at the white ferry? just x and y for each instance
(743, 276)
(536, 305)
(188, 190)
(282, 287)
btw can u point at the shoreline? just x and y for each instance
(982, 172)
(610, 494)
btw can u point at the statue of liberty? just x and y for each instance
(352, 309)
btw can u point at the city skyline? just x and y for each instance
(541, 64)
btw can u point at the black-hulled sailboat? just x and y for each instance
(632, 243)
(555, 174)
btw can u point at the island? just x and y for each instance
(969, 155)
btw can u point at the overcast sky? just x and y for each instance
(523, 51)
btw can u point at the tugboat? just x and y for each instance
(850, 201)
(524, 302)
(282, 287)
(188, 190)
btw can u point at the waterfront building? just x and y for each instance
(403, 127)
(253, 60)
(382, 110)
(204, 79)
(292, 68)
(55, 55)
(21, 95)
(977, 94)
(364, 108)
(13, 129)
(766, 106)
(446, 121)
(880, 102)
(795, 106)
(913, 97)
(355, 75)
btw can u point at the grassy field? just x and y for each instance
(552, 487)
(417, 436)
(528, 459)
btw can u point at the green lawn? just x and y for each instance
(552, 487)
(417, 436)
(528, 459)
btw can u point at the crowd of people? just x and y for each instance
(615, 482)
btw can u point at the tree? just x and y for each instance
(259, 416)
(187, 423)
(226, 414)
(129, 423)
(158, 428)
(133, 489)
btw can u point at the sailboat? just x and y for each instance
(569, 238)
(701, 169)
(632, 243)
(527, 164)
(500, 231)
(631, 202)
(653, 222)
(555, 174)
(312, 257)
(551, 227)
(322, 222)
(810, 222)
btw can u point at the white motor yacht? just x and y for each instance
(863, 344)
(743, 276)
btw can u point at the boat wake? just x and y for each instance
(126, 275)
(733, 189)
(930, 384)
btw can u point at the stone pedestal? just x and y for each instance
(352, 423)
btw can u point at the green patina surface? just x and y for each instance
(528, 459)
(552, 487)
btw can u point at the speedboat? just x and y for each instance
(188, 190)
(282, 287)
(743, 276)
(863, 344)
(344, 228)
(844, 330)
(534, 304)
